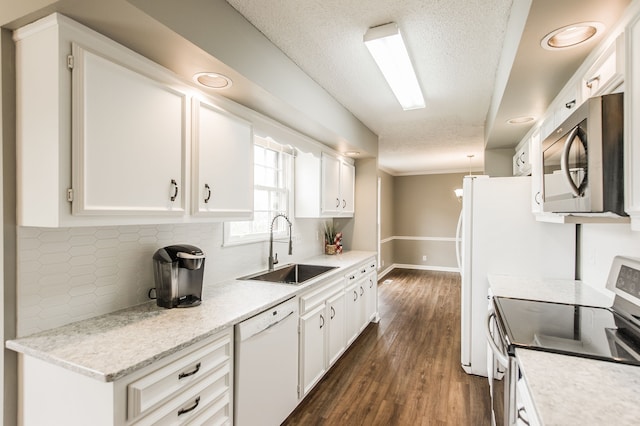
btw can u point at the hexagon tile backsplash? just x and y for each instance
(70, 274)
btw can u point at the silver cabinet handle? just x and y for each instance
(344, 203)
(370, 283)
(337, 202)
(333, 313)
(592, 80)
(572, 103)
(175, 189)
(537, 198)
(355, 295)
(361, 291)
(208, 189)
(321, 321)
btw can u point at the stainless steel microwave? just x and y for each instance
(582, 160)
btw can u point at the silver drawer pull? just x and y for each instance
(188, 410)
(592, 80)
(191, 373)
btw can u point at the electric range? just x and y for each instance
(609, 334)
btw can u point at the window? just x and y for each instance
(272, 185)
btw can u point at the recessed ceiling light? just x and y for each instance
(351, 153)
(521, 120)
(571, 35)
(212, 80)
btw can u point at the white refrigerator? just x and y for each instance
(500, 235)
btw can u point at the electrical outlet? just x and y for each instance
(424, 257)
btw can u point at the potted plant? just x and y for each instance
(329, 238)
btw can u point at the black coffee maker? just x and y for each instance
(178, 272)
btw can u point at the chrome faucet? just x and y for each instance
(272, 260)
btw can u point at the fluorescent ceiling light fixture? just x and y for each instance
(213, 80)
(571, 35)
(388, 50)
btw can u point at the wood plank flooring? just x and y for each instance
(406, 369)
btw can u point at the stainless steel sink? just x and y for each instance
(293, 273)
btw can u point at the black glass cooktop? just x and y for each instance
(591, 332)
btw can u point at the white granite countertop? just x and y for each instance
(111, 346)
(569, 390)
(550, 290)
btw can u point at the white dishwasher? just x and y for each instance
(266, 366)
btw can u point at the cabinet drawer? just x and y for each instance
(315, 297)
(146, 393)
(371, 265)
(216, 414)
(195, 401)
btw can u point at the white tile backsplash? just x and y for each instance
(70, 274)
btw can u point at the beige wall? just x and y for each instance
(425, 216)
(386, 220)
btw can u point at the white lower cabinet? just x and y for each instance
(354, 311)
(332, 316)
(193, 386)
(336, 342)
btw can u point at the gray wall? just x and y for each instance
(420, 213)
(499, 162)
(386, 220)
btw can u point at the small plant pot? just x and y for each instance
(330, 249)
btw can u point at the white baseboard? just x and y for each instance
(417, 267)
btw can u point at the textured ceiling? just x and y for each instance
(455, 46)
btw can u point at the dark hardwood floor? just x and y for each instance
(404, 370)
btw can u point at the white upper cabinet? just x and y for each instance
(324, 186)
(222, 163)
(347, 188)
(331, 201)
(105, 137)
(607, 73)
(128, 140)
(521, 164)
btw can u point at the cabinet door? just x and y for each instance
(336, 331)
(535, 156)
(223, 163)
(331, 202)
(312, 347)
(353, 316)
(371, 301)
(128, 140)
(347, 187)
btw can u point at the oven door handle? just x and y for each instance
(502, 358)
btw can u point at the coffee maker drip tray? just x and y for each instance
(188, 301)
